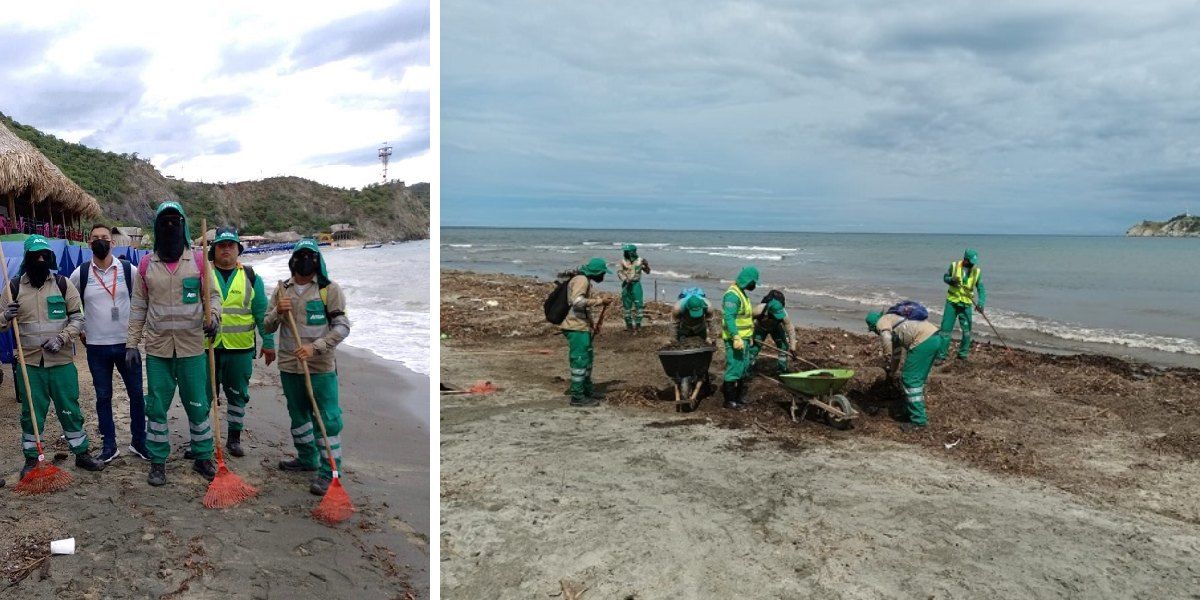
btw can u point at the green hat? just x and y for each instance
(695, 306)
(873, 319)
(775, 308)
(595, 266)
(748, 274)
(175, 206)
(224, 234)
(629, 248)
(311, 244)
(971, 256)
(34, 243)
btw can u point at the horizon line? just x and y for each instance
(445, 226)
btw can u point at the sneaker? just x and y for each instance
(584, 402)
(205, 467)
(30, 463)
(108, 454)
(88, 462)
(158, 475)
(912, 428)
(294, 464)
(141, 453)
(319, 485)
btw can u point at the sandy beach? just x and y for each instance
(1040, 476)
(135, 541)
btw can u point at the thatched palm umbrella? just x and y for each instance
(28, 175)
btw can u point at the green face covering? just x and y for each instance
(595, 266)
(873, 320)
(747, 276)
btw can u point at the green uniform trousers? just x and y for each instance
(233, 375)
(913, 375)
(58, 384)
(961, 313)
(581, 356)
(737, 362)
(191, 376)
(778, 336)
(631, 303)
(310, 448)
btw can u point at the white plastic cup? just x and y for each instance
(66, 546)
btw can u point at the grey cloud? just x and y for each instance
(226, 147)
(21, 47)
(250, 58)
(218, 105)
(123, 57)
(363, 34)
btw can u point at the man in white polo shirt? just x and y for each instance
(104, 285)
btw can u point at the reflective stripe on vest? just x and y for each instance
(237, 322)
(964, 293)
(35, 334)
(745, 316)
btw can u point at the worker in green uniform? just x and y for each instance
(578, 328)
(630, 274)
(737, 330)
(964, 279)
(243, 310)
(49, 313)
(691, 315)
(771, 320)
(921, 340)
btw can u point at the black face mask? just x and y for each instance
(37, 268)
(597, 278)
(750, 286)
(169, 238)
(305, 264)
(100, 248)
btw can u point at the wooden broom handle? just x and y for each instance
(20, 351)
(212, 356)
(312, 397)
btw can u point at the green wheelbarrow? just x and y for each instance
(820, 388)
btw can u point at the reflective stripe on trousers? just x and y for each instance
(201, 431)
(157, 432)
(303, 434)
(235, 414)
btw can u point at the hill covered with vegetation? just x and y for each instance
(1184, 225)
(128, 188)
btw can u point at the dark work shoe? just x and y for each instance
(88, 462)
(189, 455)
(233, 443)
(294, 464)
(30, 463)
(108, 454)
(140, 452)
(912, 428)
(734, 405)
(205, 467)
(585, 402)
(319, 485)
(158, 475)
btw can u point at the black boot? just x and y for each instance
(319, 485)
(30, 463)
(294, 464)
(743, 390)
(158, 475)
(88, 462)
(205, 467)
(729, 391)
(233, 443)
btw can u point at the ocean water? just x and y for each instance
(387, 297)
(1136, 297)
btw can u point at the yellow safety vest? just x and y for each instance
(745, 316)
(964, 293)
(237, 322)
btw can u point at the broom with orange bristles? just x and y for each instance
(45, 477)
(335, 507)
(226, 489)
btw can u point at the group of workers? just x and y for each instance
(115, 308)
(745, 327)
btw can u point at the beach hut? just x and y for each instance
(36, 197)
(125, 235)
(341, 231)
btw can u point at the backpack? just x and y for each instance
(692, 291)
(85, 269)
(14, 285)
(556, 305)
(909, 309)
(774, 295)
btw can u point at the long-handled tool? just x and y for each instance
(791, 354)
(45, 477)
(226, 489)
(335, 507)
(599, 321)
(989, 322)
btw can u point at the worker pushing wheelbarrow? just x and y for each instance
(688, 370)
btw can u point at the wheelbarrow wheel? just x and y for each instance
(841, 403)
(685, 392)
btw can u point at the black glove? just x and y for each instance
(210, 329)
(133, 359)
(10, 311)
(53, 345)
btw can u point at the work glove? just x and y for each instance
(955, 281)
(133, 359)
(10, 311)
(738, 344)
(980, 307)
(645, 266)
(53, 345)
(210, 328)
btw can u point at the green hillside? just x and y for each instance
(128, 189)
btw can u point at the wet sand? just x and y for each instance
(1040, 476)
(135, 541)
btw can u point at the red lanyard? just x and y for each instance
(100, 278)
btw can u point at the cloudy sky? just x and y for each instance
(228, 91)
(887, 115)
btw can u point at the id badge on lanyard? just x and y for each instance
(116, 312)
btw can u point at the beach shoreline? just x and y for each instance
(135, 541)
(1031, 480)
